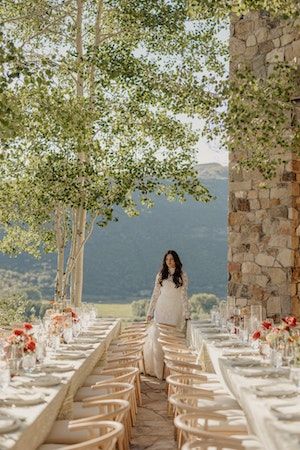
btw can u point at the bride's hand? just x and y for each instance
(149, 318)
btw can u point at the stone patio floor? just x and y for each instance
(154, 430)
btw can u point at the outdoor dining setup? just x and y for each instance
(256, 367)
(64, 386)
(73, 381)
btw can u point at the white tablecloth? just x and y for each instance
(274, 434)
(40, 418)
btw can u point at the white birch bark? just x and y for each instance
(60, 242)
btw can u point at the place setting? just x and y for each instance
(9, 423)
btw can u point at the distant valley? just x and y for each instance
(123, 258)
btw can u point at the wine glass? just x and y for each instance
(4, 375)
(29, 362)
(288, 353)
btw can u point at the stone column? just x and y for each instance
(263, 222)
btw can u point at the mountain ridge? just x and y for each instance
(121, 260)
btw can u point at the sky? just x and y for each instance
(208, 152)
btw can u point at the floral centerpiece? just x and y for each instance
(19, 344)
(272, 335)
(57, 324)
(21, 341)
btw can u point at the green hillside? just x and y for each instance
(123, 258)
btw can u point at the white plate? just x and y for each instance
(8, 423)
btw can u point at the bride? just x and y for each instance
(168, 305)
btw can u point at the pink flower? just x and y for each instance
(256, 335)
(290, 321)
(27, 326)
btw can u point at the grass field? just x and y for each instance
(122, 310)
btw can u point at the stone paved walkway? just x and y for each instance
(154, 430)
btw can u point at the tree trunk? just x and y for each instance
(60, 243)
(79, 238)
(81, 213)
(77, 273)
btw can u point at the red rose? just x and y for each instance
(256, 335)
(266, 325)
(27, 326)
(30, 346)
(18, 332)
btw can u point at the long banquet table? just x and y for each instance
(37, 420)
(248, 378)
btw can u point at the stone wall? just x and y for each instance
(263, 222)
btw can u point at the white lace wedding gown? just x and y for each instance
(168, 305)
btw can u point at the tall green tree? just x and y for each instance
(106, 125)
(100, 111)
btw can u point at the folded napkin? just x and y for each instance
(266, 372)
(43, 381)
(240, 352)
(276, 390)
(88, 340)
(21, 399)
(217, 336)
(69, 355)
(245, 362)
(231, 344)
(288, 411)
(79, 347)
(57, 368)
(8, 423)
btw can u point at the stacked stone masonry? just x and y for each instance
(264, 221)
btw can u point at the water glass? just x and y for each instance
(29, 362)
(295, 375)
(276, 358)
(41, 351)
(4, 375)
(256, 316)
(76, 329)
(68, 335)
(54, 342)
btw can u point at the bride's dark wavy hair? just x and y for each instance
(177, 276)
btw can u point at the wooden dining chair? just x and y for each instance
(189, 384)
(121, 374)
(206, 425)
(129, 361)
(107, 391)
(186, 404)
(192, 403)
(100, 435)
(222, 444)
(113, 409)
